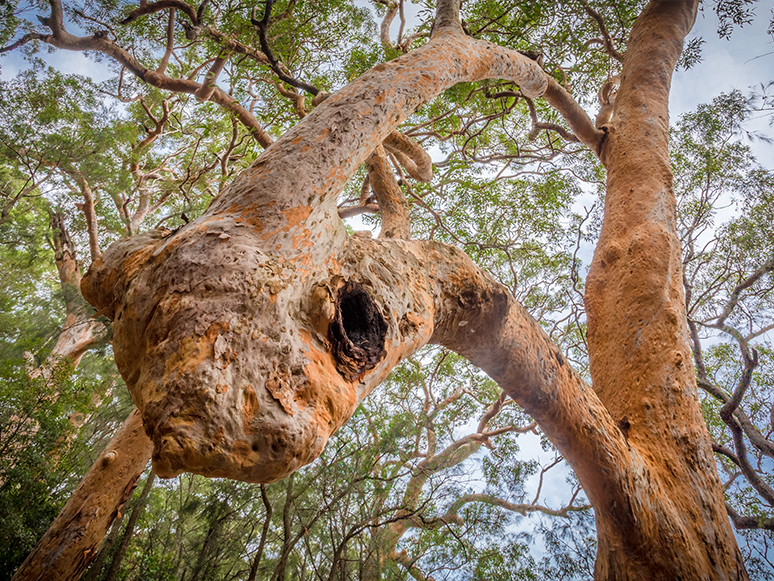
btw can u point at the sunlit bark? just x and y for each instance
(72, 541)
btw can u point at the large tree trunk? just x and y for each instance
(71, 543)
(638, 336)
(250, 335)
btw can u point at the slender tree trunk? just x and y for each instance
(137, 510)
(212, 533)
(71, 543)
(80, 331)
(280, 572)
(264, 535)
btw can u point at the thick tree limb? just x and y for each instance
(384, 27)
(537, 126)
(416, 161)
(580, 124)
(357, 210)
(208, 86)
(447, 18)
(634, 300)
(80, 331)
(749, 522)
(299, 101)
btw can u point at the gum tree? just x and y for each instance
(248, 336)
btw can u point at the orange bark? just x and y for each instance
(638, 337)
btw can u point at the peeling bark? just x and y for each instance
(275, 252)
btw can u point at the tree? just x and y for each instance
(265, 289)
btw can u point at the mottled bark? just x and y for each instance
(274, 253)
(250, 335)
(394, 209)
(676, 524)
(71, 542)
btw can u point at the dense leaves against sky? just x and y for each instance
(436, 474)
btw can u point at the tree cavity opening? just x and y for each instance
(357, 332)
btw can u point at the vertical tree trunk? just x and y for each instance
(79, 331)
(129, 531)
(675, 525)
(71, 543)
(280, 573)
(264, 535)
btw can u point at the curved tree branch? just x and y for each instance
(411, 155)
(145, 9)
(98, 42)
(262, 26)
(606, 41)
(749, 522)
(392, 202)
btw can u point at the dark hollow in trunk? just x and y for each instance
(357, 333)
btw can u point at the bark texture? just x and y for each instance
(222, 329)
(250, 335)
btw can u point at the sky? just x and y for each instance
(741, 63)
